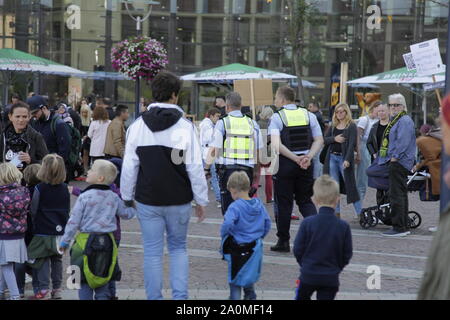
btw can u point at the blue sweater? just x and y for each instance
(246, 221)
(402, 143)
(323, 247)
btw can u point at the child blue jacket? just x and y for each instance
(323, 247)
(246, 221)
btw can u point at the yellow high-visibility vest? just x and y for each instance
(294, 118)
(238, 142)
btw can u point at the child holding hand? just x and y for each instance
(94, 215)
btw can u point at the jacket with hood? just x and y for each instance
(162, 165)
(246, 221)
(36, 148)
(59, 142)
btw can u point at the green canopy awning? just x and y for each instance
(401, 75)
(237, 71)
(16, 60)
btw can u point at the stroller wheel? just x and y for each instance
(366, 219)
(414, 219)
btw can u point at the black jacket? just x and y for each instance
(373, 145)
(76, 119)
(36, 145)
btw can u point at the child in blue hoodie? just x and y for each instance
(246, 222)
(323, 246)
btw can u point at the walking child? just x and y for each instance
(246, 223)
(20, 269)
(94, 215)
(50, 208)
(323, 246)
(14, 208)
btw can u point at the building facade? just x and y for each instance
(201, 34)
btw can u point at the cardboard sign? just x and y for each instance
(427, 57)
(262, 92)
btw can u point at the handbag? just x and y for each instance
(323, 154)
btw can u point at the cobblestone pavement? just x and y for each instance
(401, 261)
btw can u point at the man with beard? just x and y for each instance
(57, 140)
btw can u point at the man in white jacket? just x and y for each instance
(206, 138)
(162, 171)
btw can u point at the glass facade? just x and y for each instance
(201, 34)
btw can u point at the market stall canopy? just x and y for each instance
(401, 75)
(102, 75)
(237, 71)
(16, 60)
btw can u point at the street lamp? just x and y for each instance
(139, 5)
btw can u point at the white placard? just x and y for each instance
(409, 61)
(427, 57)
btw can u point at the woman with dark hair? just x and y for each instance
(97, 133)
(19, 142)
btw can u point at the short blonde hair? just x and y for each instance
(348, 118)
(326, 190)
(239, 181)
(30, 174)
(53, 170)
(9, 174)
(105, 169)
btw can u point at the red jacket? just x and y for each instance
(14, 208)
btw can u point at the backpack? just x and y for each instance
(75, 141)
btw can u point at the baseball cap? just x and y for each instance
(36, 103)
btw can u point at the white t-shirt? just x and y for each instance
(97, 132)
(366, 124)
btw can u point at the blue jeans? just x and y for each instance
(215, 182)
(87, 293)
(336, 169)
(174, 220)
(361, 175)
(249, 292)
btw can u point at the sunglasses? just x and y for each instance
(341, 111)
(395, 105)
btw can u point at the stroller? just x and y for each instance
(372, 216)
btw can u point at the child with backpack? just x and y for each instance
(94, 215)
(14, 208)
(323, 245)
(50, 209)
(246, 223)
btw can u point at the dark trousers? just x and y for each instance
(305, 291)
(398, 194)
(292, 183)
(224, 173)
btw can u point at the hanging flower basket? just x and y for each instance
(139, 57)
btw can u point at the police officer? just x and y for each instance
(237, 140)
(296, 136)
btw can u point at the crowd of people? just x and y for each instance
(159, 168)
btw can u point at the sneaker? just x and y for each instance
(41, 295)
(395, 233)
(15, 298)
(2, 296)
(193, 204)
(56, 294)
(294, 217)
(219, 205)
(355, 216)
(432, 229)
